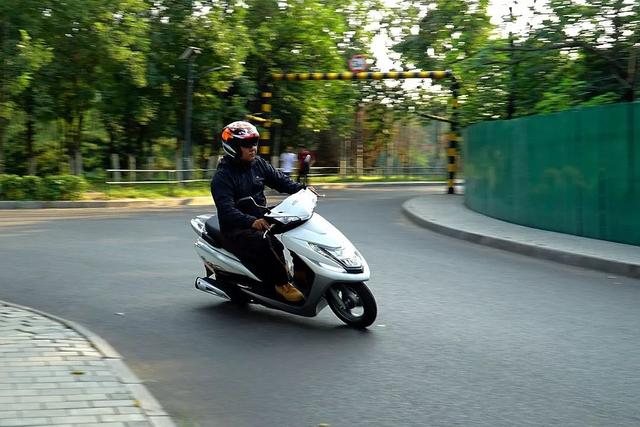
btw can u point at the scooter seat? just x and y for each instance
(212, 229)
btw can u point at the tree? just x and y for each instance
(583, 53)
(305, 36)
(606, 34)
(440, 35)
(21, 56)
(125, 104)
(219, 31)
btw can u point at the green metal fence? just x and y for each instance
(575, 172)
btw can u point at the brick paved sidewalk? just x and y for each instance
(56, 373)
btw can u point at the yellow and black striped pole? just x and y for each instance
(265, 138)
(454, 135)
(454, 139)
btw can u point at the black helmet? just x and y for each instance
(236, 135)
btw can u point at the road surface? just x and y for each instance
(465, 335)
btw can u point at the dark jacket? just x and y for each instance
(234, 181)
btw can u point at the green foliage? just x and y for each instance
(32, 187)
(61, 187)
(11, 187)
(96, 77)
(305, 36)
(541, 59)
(453, 35)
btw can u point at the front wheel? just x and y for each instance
(354, 304)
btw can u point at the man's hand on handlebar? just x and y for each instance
(260, 224)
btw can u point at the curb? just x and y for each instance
(151, 407)
(559, 256)
(177, 202)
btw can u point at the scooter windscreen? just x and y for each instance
(295, 209)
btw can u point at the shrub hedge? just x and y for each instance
(54, 187)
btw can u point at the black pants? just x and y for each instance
(264, 257)
(303, 174)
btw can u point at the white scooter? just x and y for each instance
(324, 264)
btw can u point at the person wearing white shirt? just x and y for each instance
(287, 160)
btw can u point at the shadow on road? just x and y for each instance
(253, 317)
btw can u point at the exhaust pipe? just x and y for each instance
(209, 286)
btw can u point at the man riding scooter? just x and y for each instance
(242, 175)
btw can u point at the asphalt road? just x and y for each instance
(466, 334)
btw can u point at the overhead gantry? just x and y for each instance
(453, 137)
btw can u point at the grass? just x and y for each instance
(148, 191)
(195, 189)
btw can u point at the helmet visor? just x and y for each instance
(249, 142)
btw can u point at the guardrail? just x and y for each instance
(177, 176)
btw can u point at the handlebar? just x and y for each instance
(313, 190)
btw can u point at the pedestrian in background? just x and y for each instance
(305, 161)
(287, 160)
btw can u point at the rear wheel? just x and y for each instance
(354, 304)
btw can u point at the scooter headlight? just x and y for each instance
(348, 257)
(284, 220)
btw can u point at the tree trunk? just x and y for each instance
(3, 90)
(112, 144)
(115, 164)
(629, 95)
(178, 174)
(2, 130)
(511, 102)
(132, 167)
(632, 68)
(68, 144)
(139, 149)
(30, 131)
(76, 155)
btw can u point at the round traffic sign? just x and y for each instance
(358, 63)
